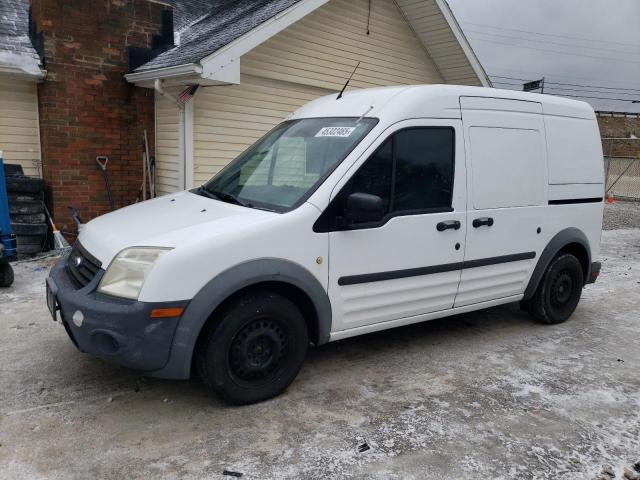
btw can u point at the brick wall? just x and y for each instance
(86, 107)
(619, 126)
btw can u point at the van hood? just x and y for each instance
(169, 221)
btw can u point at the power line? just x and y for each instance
(550, 42)
(571, 84)
(599, 41)
(572, 77)
(558, 52)
(595, 98)
(592, 91)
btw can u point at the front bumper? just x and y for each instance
(117, 330)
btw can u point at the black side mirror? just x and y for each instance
(363, 208)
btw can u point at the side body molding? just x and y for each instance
(226, 284)
(560, 240)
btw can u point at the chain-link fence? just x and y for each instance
(623, 177)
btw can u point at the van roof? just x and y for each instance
(429, 101)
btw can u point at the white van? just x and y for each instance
(379, 209)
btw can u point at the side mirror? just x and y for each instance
(363, 208)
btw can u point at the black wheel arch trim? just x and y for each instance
(558, 242)
(225, 284)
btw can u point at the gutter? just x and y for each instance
(165, 72)
(21, 72)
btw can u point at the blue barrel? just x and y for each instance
(7, 238)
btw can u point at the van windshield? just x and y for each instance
(285, 166)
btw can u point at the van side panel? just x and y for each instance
(574, 151)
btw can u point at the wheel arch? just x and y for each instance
(570, 240)
(282, 276)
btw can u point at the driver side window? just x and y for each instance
(411, 173)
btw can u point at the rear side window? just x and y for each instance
(411, 172)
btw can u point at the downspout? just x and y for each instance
(157, 86)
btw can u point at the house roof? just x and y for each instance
(17, 54)
(200, 34)
(209, 28)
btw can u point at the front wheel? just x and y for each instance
(559, 291)
(256, 348)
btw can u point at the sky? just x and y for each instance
(578, 46)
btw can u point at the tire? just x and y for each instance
(6, 274)
(255, 349)
(30, 228)
(29, 218)
(23, 197)
(29, 249)
(24, 185)
(25, 208)
(558, 293)
(13, 170)
(30, 239)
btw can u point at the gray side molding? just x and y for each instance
(226, 284)
(560, 240)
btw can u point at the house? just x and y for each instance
(87, 79)
(20, 72)
(257, 61)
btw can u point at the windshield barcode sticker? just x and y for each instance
(335, 131)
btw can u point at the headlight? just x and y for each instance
(125, 276)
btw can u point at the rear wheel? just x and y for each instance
(255, 350)
(559, 291)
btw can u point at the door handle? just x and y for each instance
(442, 226)
(478, 222)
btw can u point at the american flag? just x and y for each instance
(187, 94)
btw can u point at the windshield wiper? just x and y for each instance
(201, 190)
(229, 198)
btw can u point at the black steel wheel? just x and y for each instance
(259, 351)
(255, 348)
(559, 291)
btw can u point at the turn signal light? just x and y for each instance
(166, 312)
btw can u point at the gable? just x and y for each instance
(216, 43)
(323, 48)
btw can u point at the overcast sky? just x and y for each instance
(591, 43)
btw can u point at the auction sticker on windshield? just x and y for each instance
(335, 131)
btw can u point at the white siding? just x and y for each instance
(168, 164)
(309, 59)
(19, 132)
(428, 22)
(228, 119)
(323, 48)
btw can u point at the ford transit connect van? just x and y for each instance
(379, 209)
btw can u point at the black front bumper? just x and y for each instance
(117, 330)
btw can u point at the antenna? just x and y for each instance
(347, 83)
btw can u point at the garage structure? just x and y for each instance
(256, 62)
(20, 71)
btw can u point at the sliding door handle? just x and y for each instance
(478, 222)
(442, 226)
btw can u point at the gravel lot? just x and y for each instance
(491, 394)
(621, 214)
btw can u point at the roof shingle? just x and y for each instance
(16, 49)
(206, 26)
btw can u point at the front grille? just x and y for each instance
(82, 265)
